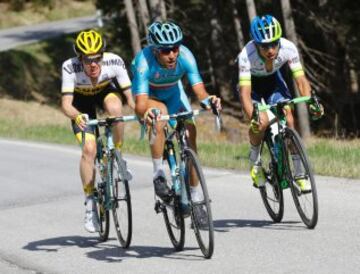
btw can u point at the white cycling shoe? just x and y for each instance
(91, 221)
(91, 217)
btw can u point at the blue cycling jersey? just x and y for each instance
(163, 84)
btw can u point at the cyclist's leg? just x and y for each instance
(256, 170)
(87, 168)
(181, 103)
(157, 148)
(282, 92)
(110, 101)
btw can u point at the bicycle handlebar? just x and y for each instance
(283, 103)
(110, 120)
(182, 115)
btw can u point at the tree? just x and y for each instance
(251, 9)
(158, 10)
(237, 25)
(304, 126)
(135, 38)
(144, 14)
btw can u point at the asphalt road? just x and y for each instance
(13, 37)
(41, 223)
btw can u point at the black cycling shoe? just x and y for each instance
(201, 217)
(162, 190)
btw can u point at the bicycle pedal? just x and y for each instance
(158, 207)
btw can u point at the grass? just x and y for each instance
(328, 157)
(35, 13)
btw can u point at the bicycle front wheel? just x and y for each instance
(198, 195)
(271, 193)
(121, 207)
(299, 169)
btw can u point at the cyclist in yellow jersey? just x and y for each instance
(93, 79)
(260, 78)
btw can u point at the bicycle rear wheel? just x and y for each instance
(103, 213)
(201, 215)
(174, 220)
(121, 208)
(306, 203)
(175, 224)
(271, 193)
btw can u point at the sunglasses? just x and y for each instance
(89, 60)
(167, 51)
(271, 45)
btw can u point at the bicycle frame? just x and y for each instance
(180, 134)
(278, 146)
(108, 149)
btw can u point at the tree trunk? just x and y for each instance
(237, 25)
(144, 13)
(251, 8)
(158, 10)
(135, 38)
(304, 125)
(216, 47)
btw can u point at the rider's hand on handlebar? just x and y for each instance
(254, 126)
(81, 120)
(151, 115)
(211, 102)
(316, 111)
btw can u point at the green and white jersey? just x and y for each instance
(251, 63)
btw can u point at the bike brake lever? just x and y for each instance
(255, 115)
(218, 122)
(315, 99)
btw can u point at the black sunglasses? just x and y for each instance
(168, 50)
(89, 60)
(270, 45)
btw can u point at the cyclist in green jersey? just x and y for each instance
(260, 79)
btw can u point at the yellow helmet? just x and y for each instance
(88, 43)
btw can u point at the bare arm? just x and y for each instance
(129, 98)
(67, 108)
(245, 98)
(303, 85)
(200, 91)
(141, 104)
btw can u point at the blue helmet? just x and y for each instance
(265, 29)
(165, 34)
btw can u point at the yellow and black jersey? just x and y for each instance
(113, 72)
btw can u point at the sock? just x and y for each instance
(196, 193)
(88, 189)
(158, 167)
(254, 157)
(118, 145)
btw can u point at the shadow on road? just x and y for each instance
(227, 224)
(105, 251)
(55, 244)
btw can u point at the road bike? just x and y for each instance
(184, 171)
(112, 192)
(285, 162)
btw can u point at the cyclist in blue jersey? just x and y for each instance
(260, 78)
(157, 88)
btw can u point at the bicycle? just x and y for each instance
(112, 191)
(279, 148)
(184, 168)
